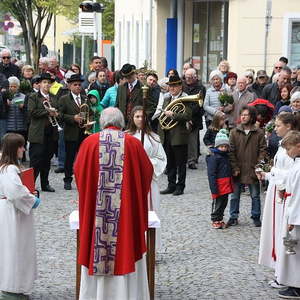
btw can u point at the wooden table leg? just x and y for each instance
(78, 268)
(151, 261)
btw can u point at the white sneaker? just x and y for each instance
(274, 284)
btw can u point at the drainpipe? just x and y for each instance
(180, 34)
(173, 8)
(268, 19)
(150, 33)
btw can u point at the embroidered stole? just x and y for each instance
(108, 200)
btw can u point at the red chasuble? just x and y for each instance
(133, 217)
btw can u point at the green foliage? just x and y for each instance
(25, 87)
(225, 99)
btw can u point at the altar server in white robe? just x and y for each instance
(273, 209)
(17, 237)
(157, 156)
(288, 266)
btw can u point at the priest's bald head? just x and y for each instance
(112, 116)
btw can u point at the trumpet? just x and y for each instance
(177, 106)
(52, 119)
(84, 113)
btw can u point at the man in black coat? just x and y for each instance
(192, 86)
(7, 67)
(258, 86)
(271, 91)
(151, 80)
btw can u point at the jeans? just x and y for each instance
(3, 127)
(235, 200)
(61, 150)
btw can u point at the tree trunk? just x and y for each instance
(36, 51)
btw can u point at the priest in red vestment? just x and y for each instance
(113, 176)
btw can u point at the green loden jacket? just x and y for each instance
(38, 117)
(179, 135)
(136, 98)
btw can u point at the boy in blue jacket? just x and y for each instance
(220, 178)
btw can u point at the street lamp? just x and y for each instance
(94, 7)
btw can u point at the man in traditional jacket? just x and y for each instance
(113, 176)
(175, 140)
(130, 94)
(42, 135)
(74, 131)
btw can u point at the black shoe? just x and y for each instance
(192, 166)
(232, 222)
(290, 293)
(178, 192)
(257, 222)
(48, 188)
(168, 190)
(68, 186)
(59, 170)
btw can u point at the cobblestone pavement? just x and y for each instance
(195, 262)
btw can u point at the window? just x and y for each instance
(120, 44)
(210, 27)
(137, 43)
(294, 43)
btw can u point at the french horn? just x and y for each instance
(177, 106)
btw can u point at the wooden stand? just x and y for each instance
(150, 263)
(78, 268)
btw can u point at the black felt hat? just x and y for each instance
(74, 78)
(35, 79)
(174, 80)
(46, 76)
(127, 70)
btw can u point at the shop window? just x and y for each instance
(210, 25)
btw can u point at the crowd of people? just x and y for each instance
(252, 138)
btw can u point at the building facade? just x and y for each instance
(166, 33)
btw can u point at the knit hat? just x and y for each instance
(222, 138)
(285, 108)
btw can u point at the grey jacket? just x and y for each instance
(211, 101)
(239, 101)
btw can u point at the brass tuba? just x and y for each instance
(177, 106)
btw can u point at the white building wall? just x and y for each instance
(132, 28)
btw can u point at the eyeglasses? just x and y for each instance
(278, 67)
(6, 57)
(261, 77)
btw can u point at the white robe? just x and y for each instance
(157, 155)
(277, 178)
(133, 286)
(17, 236)
(288, 266)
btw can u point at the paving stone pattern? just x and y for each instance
(195, 261)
